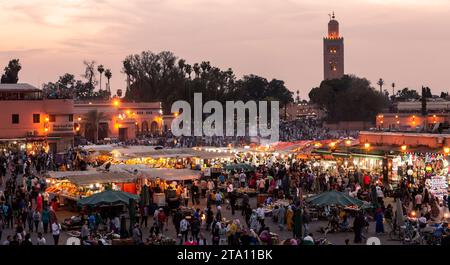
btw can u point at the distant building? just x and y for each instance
(411, 121)
(437, 105)
(407, 116)
(407, 139)
(333, 51)
(29, 121)
(302, 110)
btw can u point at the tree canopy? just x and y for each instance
(11, 75)
(166, 78)
(407, 94)
(348, 99)
(67, 86)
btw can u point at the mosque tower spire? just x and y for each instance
(333, 51)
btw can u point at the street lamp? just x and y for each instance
(446, 150)
(403, 147)
(366, 145)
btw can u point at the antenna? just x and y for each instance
(333, 15)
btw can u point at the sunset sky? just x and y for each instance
(402, 41)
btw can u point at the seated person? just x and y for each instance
(265, 237)
(422, 221)
(344, 226)
(308, 240)
(91, 240)
(334, 223)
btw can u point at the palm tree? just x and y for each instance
(181, 64)
(393, 89)
(93, 118)
(108, 76)
(196, 70)
(188, 70)
(100, 69)
(381, 83)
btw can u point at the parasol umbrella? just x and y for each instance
(399, 213)
(334, 198)
(108, 198)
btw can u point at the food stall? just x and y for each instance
(71, 186)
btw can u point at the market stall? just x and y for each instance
(71, 186)
(419, 167)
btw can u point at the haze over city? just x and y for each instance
(401, 41)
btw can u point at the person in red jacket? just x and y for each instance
(191, 242)
(366, 181)
(162, 218)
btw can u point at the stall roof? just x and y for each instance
(124, 173)
(83, 178)
(181, 152)
(150, 151)
(168, 174)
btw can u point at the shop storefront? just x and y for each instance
(431, 169)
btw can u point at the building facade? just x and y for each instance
(28, 121)
(411, 121)
(117, 119)
(333, 51)
(302, 110)
(406, 139)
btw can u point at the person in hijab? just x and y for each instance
(281, 217)
(297, 219)
(379, 227)
(358, 225)
(289, 218)
(254, 223)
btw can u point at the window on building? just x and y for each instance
(149, 112)
(71, 117)
(15, 119)
(52, 118)
(36, 118)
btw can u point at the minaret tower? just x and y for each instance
(333, 51)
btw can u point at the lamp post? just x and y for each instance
(447, 150)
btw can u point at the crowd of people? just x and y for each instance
(25, 207)
(310, 129)
(199, 219)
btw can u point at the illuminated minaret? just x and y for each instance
(333, 51)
